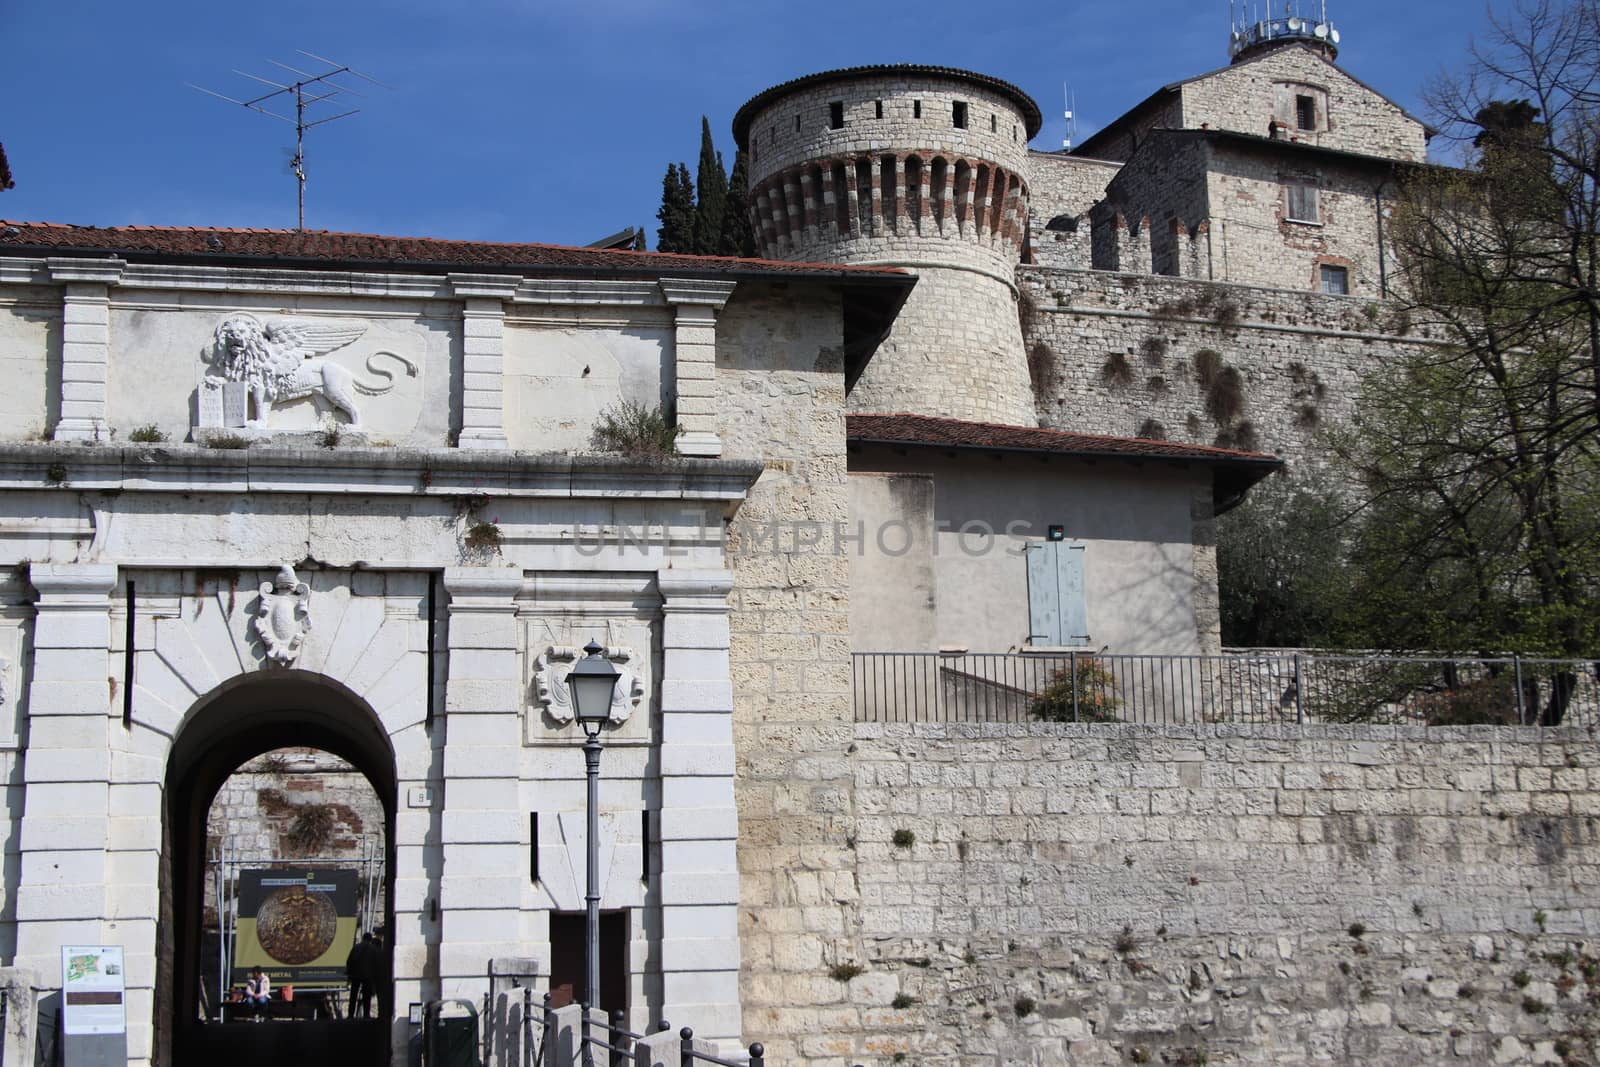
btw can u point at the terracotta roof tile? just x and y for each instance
(318, 248)
(924, 430)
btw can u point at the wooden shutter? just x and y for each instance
(1057, 614)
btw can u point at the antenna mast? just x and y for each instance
(308, 90)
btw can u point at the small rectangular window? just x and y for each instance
(1302, 202)
(879, 108)
(797, 124)
(836, 115)
(1336, 281)
(916, 109)
(1305, 112)
(958, 114)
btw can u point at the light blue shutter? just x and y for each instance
(1056, 612)
(1044, 606)
(1069, 577)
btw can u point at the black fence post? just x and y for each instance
(758, 1055)
(686, 1048)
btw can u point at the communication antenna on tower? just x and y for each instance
(1069, 101)
(310, 89)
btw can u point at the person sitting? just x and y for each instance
(258, 991)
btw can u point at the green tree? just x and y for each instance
(712, 204)
(738, 238)
(1476, 455)
(5, 171)
(1281, 567)
(677, 214)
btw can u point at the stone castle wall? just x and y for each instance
(1242, 97)
(1055, 894)
(782, 398)
(1123, 354)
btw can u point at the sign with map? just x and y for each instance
(296, 924)
(92, 983)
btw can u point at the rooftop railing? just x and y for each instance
(1244, 687)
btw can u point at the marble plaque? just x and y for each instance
(235, 404)
(208, 402)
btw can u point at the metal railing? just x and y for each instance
(1243, 687)
(689, 1055)
(618, 1042)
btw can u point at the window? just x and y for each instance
(958, 114)
(1301, 202)
(1335, 281)
(916, 109)
(797, 124)
(879, 107)
(836, 115)
(1305, 112)
(1056, 615)
(994, 124)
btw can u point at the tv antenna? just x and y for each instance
(1069, 101)
(307, 91)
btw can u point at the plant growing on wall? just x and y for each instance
(1116, 370)
(1083, 692)
(312, 828)
(636, 430)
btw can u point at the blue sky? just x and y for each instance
(525, 120)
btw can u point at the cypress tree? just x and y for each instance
(713, 203)
(5, 170)
(677, 212)
(738, 238)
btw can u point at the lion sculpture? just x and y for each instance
(277, 361)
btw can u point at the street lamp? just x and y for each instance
(593, 680)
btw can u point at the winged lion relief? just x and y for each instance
(279, 361)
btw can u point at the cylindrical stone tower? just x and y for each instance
(917, 167)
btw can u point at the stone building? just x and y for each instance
(295, 489)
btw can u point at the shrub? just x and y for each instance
(1096, 689)
(1116, 370)
(227, 441)
(902, 1001)
(636, 430)
(312, 828)
(148, 434)
(1025, 1007)
(1152, 430)
(843, 972)
(904, 838)
(483, 537)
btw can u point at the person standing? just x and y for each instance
(360, 969)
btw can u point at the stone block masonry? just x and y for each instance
(1126, 355)
(1056, 894)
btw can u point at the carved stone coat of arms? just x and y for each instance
(284, 616)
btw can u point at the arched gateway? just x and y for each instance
(244, 717)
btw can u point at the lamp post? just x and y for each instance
(593, 680)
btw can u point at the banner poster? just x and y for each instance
(296, 924)
(91, 990)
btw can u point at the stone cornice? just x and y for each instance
(68, 269)
(490, 286)
(73, 585)
(689, 590)
(696, 291)
(383, 472)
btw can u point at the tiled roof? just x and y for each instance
(1232, 472)
(932, 432)
(321, 248)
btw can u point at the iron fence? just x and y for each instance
(1243, 687)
